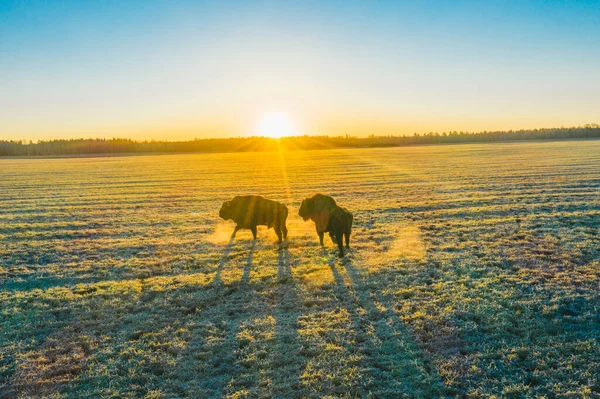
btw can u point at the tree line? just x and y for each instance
(244, 144)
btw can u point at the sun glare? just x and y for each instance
(276, 125)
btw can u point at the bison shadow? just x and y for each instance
(394, 352)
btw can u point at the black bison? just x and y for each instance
(249, 211)
(328, 217)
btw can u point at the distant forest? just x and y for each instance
(244, 144)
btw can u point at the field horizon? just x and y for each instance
(473, 272)
(87, 147)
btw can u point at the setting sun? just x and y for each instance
(276, 125)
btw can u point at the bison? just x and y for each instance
(328, 217)
(250, 211)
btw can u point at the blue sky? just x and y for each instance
(178, 70)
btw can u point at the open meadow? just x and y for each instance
(474, 271)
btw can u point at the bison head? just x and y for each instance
(306, 209)
(225, 212)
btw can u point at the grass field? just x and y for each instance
(474, 272)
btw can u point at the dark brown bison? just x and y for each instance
(249, 211)
(328, 217)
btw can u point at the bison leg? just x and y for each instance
(278, 232)
(339, 237)
(237, 227)
(284, 229)
(348, 229)
(253, 230)
(333, 240)
(321, 234)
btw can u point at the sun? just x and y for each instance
(276, 125)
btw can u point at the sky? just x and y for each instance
(176, 70)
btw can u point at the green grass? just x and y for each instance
(474, 272)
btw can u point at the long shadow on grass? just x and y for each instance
(241, 368)
(248, 267)
(392, 358)
(284, 366)
(218, 281)
(233, 306)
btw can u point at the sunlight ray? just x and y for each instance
(286, 181)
